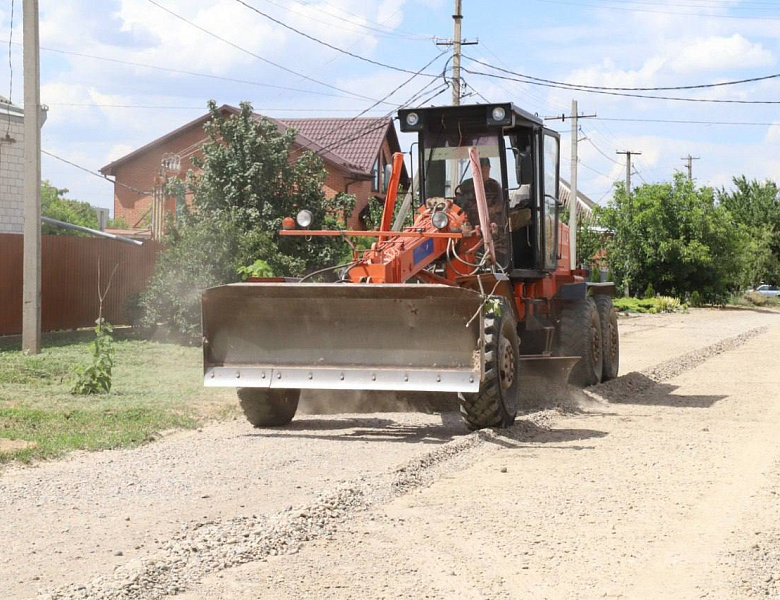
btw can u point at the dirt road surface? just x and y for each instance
(661, 484)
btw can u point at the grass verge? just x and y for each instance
(157, 387)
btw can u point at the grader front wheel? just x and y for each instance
(496, 402)
(268, 408)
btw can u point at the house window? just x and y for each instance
(375, 176)
(386, 172)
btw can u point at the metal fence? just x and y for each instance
(70, 277)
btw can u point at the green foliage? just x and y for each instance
(200, 253)
(590, 241)
(249, 181)
(55, 205)
(259, 268)
(649, 291)
(676, 237)
(666, 304)
(636, 305)
(696, 300)
(95, 378)
(649, 305)
(118, 223)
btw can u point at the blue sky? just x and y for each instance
(100, 110)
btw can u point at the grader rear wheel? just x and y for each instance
(497, 401)
(580, 335)
(610, 339)
(268, 408)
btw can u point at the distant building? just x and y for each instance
(355, 154)
(11, 167)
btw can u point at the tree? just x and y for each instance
(675, 237)
(251, 174)
(251, 177)
(756, 207)
(55, 205)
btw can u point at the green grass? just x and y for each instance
(157, 387)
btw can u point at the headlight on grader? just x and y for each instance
(304, 218)
(440, 219)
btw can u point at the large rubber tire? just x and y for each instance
(268, 408)
(610, 339)
(580, 335)
(497, 401)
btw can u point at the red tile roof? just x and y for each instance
(357, 141)
(351, 145)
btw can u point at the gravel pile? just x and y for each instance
(628, 386)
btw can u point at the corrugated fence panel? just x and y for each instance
(71, 270)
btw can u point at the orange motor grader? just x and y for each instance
(475, 297)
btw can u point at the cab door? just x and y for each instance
(550, 189)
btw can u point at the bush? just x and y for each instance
(96, 378)
(666, 304)
(649, 291)
(200, 253)
(696, 299)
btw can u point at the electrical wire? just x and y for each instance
(255, 55)
(690, 122)
(621, 94)
(369, 30)
(327, 44)
(629, 89)
(200, 108)
(193, 73)
(95, 173)
(600, 151)
(388, 29)
(658, 12)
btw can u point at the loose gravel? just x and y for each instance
(204, 547)
(628, 386)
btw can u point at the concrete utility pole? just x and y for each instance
(31, 291)
(628, 154)
(575, 117)
(457, 42)
(689, 164)
(457, 17)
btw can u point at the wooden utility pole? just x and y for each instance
(689, 164)
(628, 154)
(31, 291)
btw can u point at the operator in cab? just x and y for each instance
(466, 198)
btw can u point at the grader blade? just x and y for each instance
(342, 336)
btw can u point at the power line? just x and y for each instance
(200, 108)
(658, 12)
(386, 33)
(257, 56)
(628, 89)
(194, 73)
(388, 29)
(688, 122)
(622, 94)
(95, 173)
(324, 43)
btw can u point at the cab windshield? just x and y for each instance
(448, 175)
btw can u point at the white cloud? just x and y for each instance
(718, 54)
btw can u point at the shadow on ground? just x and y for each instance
(368, 429)
(636, 388)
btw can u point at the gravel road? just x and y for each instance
(662, 484)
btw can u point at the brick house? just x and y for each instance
(354, 152)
